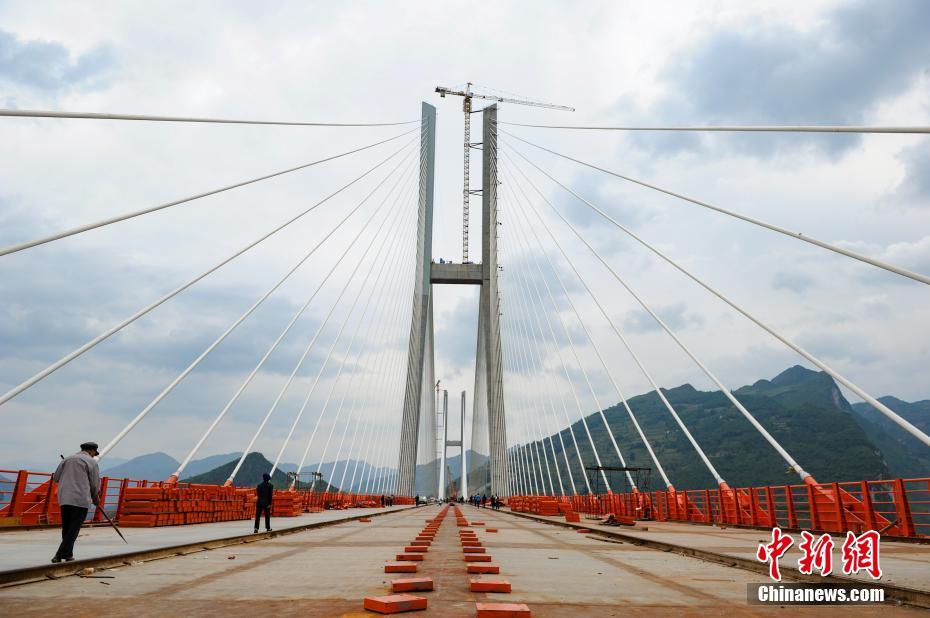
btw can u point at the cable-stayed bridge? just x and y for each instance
(375, 410)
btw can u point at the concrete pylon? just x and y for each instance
(489, 386)
(489, 328)
(421, 319)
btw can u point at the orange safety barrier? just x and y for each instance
(30, 498)
(894, 507)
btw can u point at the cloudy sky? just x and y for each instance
(615, 62)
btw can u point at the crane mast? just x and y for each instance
(467, 95)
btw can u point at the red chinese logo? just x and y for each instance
(860, 553)
(773, 551)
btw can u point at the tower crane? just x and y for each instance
(467, 95)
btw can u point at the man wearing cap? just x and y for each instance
(78, 478)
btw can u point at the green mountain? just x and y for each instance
(249, 475)
(907, 457)
(804, 410)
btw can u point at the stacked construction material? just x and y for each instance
(286, 504)
(547, 506)
(195, 504)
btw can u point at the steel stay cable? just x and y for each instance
(739, 406)
(550, 348)
(775, 228)
(216, 342)
(16, 390)
(323, 324)
(130, 215)
(287, 328)
(521, 322)
(915, 129)
(383, 308)
(387, 374)
(548, 427)
(384, 232)
(907, 426)
(525, 218)
(538, 366)
(600, 409)
(378, 483)
(524, 294)
(620, 334)
(520, 367)
(332, 388)
(42, 113)
(290, 379)
(513, 371)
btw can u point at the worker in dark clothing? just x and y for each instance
(78, 478)
(265, 492)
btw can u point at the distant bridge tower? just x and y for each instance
(489, 388)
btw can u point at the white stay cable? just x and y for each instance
(284, 332)
(523, 296)
(116, 219)
(571, 344)
(916, 129)
(216, 342)
(43, 113)
(306, 352)
(521, 367)
(619, 333)
(739, 406)
(335, 382)
(113, 330)
(914, 431)
(550, 349)
(509, 363)
(521, 208)
(524, 353)
(383, 382)
(775, 228)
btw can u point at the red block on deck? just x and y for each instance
(582, 530)
(420, 543)
(409, 557)
(490, 529)
(502, 610)
(395, 603)
(412, 584)
(400, 567)
(489, 585)
(477, 523)
(491, 569)
(477, 558)
(473, 550)
(416, 548)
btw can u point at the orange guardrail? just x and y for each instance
(894, 507)
(30, 499)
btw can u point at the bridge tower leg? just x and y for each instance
(489, 330)
(422, 310)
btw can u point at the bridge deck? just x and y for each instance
(328, 571)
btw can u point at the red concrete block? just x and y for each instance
(473, 550)
(412, 584)
(489, 585)
(471, 544)
(502, 610)
(491, 569)
(476, 558)
(409, 557)
(395, 603)
(477, 523)
(400, 567)
(490, 529)
(416, 548)
(582, 530)
(420, 543)
(364, 520)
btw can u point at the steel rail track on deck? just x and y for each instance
(64, 569)
(893, 593)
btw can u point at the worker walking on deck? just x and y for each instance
(78, 478)
(265, 492)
